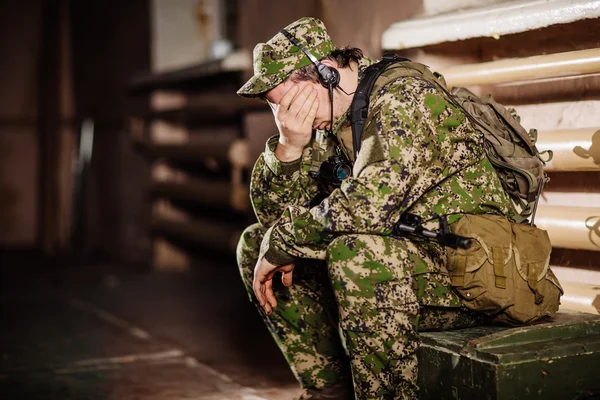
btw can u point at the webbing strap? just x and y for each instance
(532, 275)
(499, 267)
(360, 102)
(459, 267)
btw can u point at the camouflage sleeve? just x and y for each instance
(275, 185)
(413, 139)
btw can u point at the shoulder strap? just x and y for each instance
(360, 102)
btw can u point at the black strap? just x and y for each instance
(360, 102)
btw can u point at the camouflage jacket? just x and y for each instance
(419, 154)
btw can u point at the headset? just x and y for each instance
(329, 77)
(336, 168)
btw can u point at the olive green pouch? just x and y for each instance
(506, 272)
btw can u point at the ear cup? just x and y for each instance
(328, 76)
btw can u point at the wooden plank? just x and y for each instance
(571, 227)
(208, 234)
(574, 149)
(208, 73)
(215, 195)
(198, 151)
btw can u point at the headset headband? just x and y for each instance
(329, 77)
(295, 42)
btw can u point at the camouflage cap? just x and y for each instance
(276, 59)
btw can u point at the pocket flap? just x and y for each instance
(493, 232)
(531, 247)
(552, 278)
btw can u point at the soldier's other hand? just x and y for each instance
(295, 115)
(262, 285)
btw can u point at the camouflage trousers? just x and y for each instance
(356, 315)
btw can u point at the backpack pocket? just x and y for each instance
(481, 274)
(505, 273)
(537, 293)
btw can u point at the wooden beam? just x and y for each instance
(574, 149)
(571, 227)
(215, 195)
(582, 289)
(208, 234)
(571, 63)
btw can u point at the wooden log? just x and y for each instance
(574, 89)
(208, 73)
(571, 227)
(582, 289)
(203, 193)
(239, 153)
(567, 199)
(580, 297)
(167, 257)
(220, 102)
(184, 152)
(216, 195)
(239, 197)
(571, 63)
(208, 234)
(235, 152)
(574, 149)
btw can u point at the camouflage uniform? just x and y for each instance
(419, 154)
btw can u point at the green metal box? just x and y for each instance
(557, 359)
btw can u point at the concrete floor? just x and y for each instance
(103, 332)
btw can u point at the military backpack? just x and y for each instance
(505, 272)
(508, 146)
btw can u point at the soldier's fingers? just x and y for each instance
(257, 287)
(312, 113)
(286, 278)
(259, 281)
(286, 100)
(270, 296)
(306, 106)
(267, 308)
(297, 106)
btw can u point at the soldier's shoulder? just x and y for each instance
(414, 84)
(402, 89)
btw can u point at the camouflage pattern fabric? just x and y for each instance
(419, 154)
(305, 322)
(276, 59)
(276, 185)
(374, 281)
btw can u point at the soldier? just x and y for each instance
(348, 325)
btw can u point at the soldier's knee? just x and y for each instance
(373, 254)
(248, 248)
(344, 249)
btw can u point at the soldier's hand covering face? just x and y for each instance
(294, 106)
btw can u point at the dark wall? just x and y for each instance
(64, 60)
(111, 43)
(20, 31)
